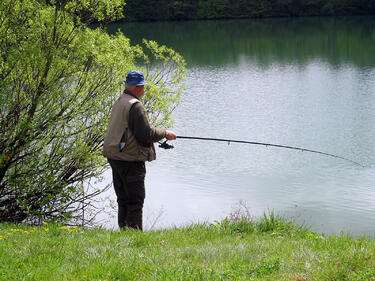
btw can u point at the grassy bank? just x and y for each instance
(265, 249)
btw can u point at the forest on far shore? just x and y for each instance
(164, 10)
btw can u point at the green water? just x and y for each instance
(297, 41)
(306, 82)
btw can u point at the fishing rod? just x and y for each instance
(166, 145)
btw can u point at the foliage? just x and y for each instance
(166, 82)
(147, 10)
(196, 252)
(58, 81)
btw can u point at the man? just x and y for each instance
(129, 142)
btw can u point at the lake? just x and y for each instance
(305, 82)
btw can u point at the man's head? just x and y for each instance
(134, 82)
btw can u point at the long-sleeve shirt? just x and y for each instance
(140, 125)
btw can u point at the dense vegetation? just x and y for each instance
(266, 249)
(58, 81)
(149, 10)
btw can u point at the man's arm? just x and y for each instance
(142, 129)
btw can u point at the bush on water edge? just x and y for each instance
(268, 248)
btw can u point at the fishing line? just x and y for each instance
(165, 145)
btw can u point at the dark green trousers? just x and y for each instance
(129, 184)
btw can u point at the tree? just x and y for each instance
(58, 81)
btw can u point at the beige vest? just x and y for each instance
(118, 125)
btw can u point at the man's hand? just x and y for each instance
(169, 135)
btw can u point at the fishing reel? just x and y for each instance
(166, 145)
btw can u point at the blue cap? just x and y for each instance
(135, 78)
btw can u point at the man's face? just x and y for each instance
(140, 90)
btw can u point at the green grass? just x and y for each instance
(269, 248)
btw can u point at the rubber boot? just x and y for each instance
(135, 219)
(122, 216)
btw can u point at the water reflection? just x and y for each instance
(216, 43)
